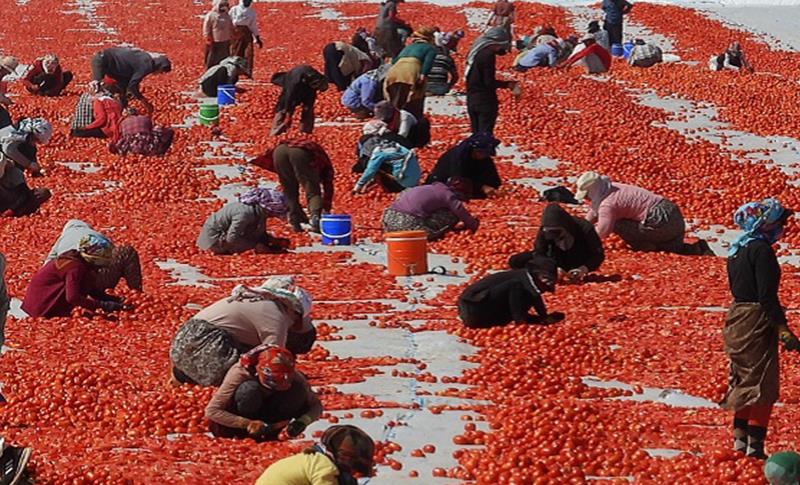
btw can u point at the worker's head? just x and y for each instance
(272, 201)
(734, 48)
(764, 219)
(96, 250)
(275, 368)
(594, 26)
(554, 230)
(592, 186)
(351, 447)
(50, 63)
(783, 468)
(544, 272)
(318, 83)
(39, 130)
(481, 145)
(8, 65)
(247, 3)
(161, 63)
(222, 6)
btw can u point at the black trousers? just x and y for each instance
(333, 57)
(614, 32)
(482, 117)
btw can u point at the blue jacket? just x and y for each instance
(543, 55)
(361, 93)
(614, 10)
(404, 163)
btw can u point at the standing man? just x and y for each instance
(482, 103)
(217, 30)
(245, 30)
(615, 10)
(128, 66)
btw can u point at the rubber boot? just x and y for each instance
(755, 442)
(315, 222)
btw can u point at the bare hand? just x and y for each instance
(256, 427)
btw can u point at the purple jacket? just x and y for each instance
(424, 200)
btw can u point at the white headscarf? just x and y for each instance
(281, 287)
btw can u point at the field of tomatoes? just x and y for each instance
(89, 395)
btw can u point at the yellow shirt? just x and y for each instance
(301, 469)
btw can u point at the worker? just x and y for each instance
(46, 78)
(615, 10)
(226, 72)
(365, 91)
(644, 54)
(299, 87)
(732, 59)
(483, 105)
(444, 73)
(343, 63)
(18, 145)
(594, 57)
(8, 66)
(406, 81)
(217, 32)
(5, 300)
(471, 159)
(128, 66)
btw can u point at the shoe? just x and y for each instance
(315, 224)
(13, 463)
(296, 227)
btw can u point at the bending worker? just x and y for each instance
(128, 67)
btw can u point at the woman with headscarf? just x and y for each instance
(138, 136)
(406, 81)
(732, 59)
(8, 66)
(472, 160)
(387, 29)
(209, 343)
(46, 78)
(217, 31)
(571, 241)
(343, 63)
(506, 297)
(435, 208)
(245, 31)
(302, 163)
(342, 452)
(262, 395)
(482, 85)
(644, 220)
(106, 118)
(242, 225)
(18, 146)
(755, 323)
(226, 72)
(124, 258)
(299, 87)
(66, 282)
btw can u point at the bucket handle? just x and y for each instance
(338, 236)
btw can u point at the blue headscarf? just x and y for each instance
(752, 218)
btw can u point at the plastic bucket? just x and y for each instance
(336, 229)
(226, 94)
(209, 114)
(407, 253)
(617, 50)
(627, 48)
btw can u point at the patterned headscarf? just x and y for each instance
(50, 63)
(753, 217)
(271, 200)
(424, 34)
(96, 249)
(39, 128)
(494, 36)
(282, 288)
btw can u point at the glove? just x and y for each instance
(255, 428)
(789, 339)
(110, 305)
(297, 426)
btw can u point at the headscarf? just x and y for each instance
(424, 34)
(477, 141)
(50, 63)
(350, 448)
(9, 63)
(39, 128)
(783, 468)
(161, 62)
(272, 201)
(752, 217)
(274, 366)
(494, 36)
(234, 63)
(96, 249)
(281, 288)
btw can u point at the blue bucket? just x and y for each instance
(627, 49)
(617, 50)
(226, 94)
(336, 229)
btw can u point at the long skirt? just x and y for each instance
(663, 229)
(751, 342)
(202, 353)
(155, 143)
(216, 52)
(435, 225)
(402, 84)
(242, 44)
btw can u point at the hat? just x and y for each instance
(584, 183)
(782, 468)
(9, 63)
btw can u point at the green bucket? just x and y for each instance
(209, 114)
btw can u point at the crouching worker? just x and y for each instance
(732, 59)
(138, 136)
(67, 282)
(242, 225)
(394, 166)
(226, 72)
(594, 57)
(207, 345)
(571, 241)
(505, 297)
(45, 77)
(262, 395)
(301, 163)
(124, 261)
(434, 208)
(365, 91)
(645, 55)
(343, 452)
(644, 220)
(18, 146)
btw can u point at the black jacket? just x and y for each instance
(499, 299)
(754, 276)
(296, 87)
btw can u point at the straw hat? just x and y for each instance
(584, 183)
(9, 63)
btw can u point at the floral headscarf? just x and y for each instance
(96, 249)
(271, 200)
(753, 217)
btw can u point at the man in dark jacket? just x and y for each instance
(571, 241)
(506, 297)
(128, 66)
(299, 87)
(482, 103)
(615, 10)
